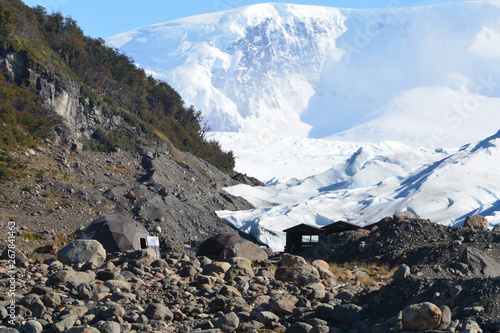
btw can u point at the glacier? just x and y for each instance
(376, 181)
(345, 114)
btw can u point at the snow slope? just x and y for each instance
(278, 69)
(377, 181)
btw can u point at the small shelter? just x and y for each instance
(339, 226)
(300, 237)
(225, 246)
(118, 233)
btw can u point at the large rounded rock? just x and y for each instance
(33, 303)
(422, 316)
(72, 277)
(291, 260)
(228, 323)
(158, 311)
(239, 267)
(33, 326)
(477, 222)
(83, 251)
(248, 250)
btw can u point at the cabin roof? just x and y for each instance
(303, 228)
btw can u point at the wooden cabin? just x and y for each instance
(339, 226)
(300, 237)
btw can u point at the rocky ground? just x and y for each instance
(378, 290)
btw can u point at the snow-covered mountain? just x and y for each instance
(427, 75)
(379, 180)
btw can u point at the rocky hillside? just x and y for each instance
(174, 193)
(86, 133)
(88, 291)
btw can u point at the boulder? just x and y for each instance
(72, 277)
(64, 324)
(422, 316)
(446, 320)
(291, 260)
(342, 314)
(282, 307)
(321, 263)
(401, 273)
(248, 250)
(118, 285)
(217, 267)
(228, 323)
(33, 326)
(108, 327)
(477, 222)
(479, 263)
(83, 251)
(158, 312)
(299, 327)
(401, 216)
(266, 317)
(239, 267)
(33, 303)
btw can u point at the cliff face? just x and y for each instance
(80, 118)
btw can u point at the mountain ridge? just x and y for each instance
(329, 69)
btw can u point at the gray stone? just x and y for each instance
(33, 326)
(401, 273)
(229, 291)
(8, 330)
(160, 263)
(118, 285)
(113, 311)
(108, 327)
(421, 316)
(72, 277)
(299, 327)
(239, 267)
(480, 264)
(305, 279)
(228, 323)
(461, 267)
(216, 267)
(320, 329)
(446, 319)
(291, 260)
(266, 317)
(83, 251)
(401, 216)
(86, 291)
(64, 324)
(477, 222)
(33, 303)
(343, 314)
(282, 307)
(158, 312)
(313, 291)
(248, 250)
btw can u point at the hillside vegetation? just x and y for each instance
(107, 79)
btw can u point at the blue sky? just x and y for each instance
(105, 18)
